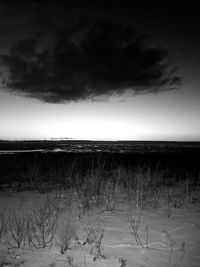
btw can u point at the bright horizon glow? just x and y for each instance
(161, 117)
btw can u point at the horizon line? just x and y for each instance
(95, 140)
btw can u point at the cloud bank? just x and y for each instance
(87, 60)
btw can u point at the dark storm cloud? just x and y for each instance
(85, 58)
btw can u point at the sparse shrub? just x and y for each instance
(66, 230)
(95, 234)
(2, 224)
(144, 187)
(177, 197)
(98, 246)
(89, 186)
(44, 188)
(123, 262)
(58, 190)
(62, 202)
(85, 194)
(42, 224)
(70, 260)
(134, 225)
(89, 190)
(17, 229)
(34, 177)
(111, 195)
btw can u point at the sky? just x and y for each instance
(100, 71)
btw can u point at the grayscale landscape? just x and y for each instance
(99, 133)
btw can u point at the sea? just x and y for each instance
(80, 146)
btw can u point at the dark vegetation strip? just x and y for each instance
(56, 167)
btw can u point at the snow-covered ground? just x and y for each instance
(165, 240)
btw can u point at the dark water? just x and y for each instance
(130, 147)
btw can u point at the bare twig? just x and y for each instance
(134, 225)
